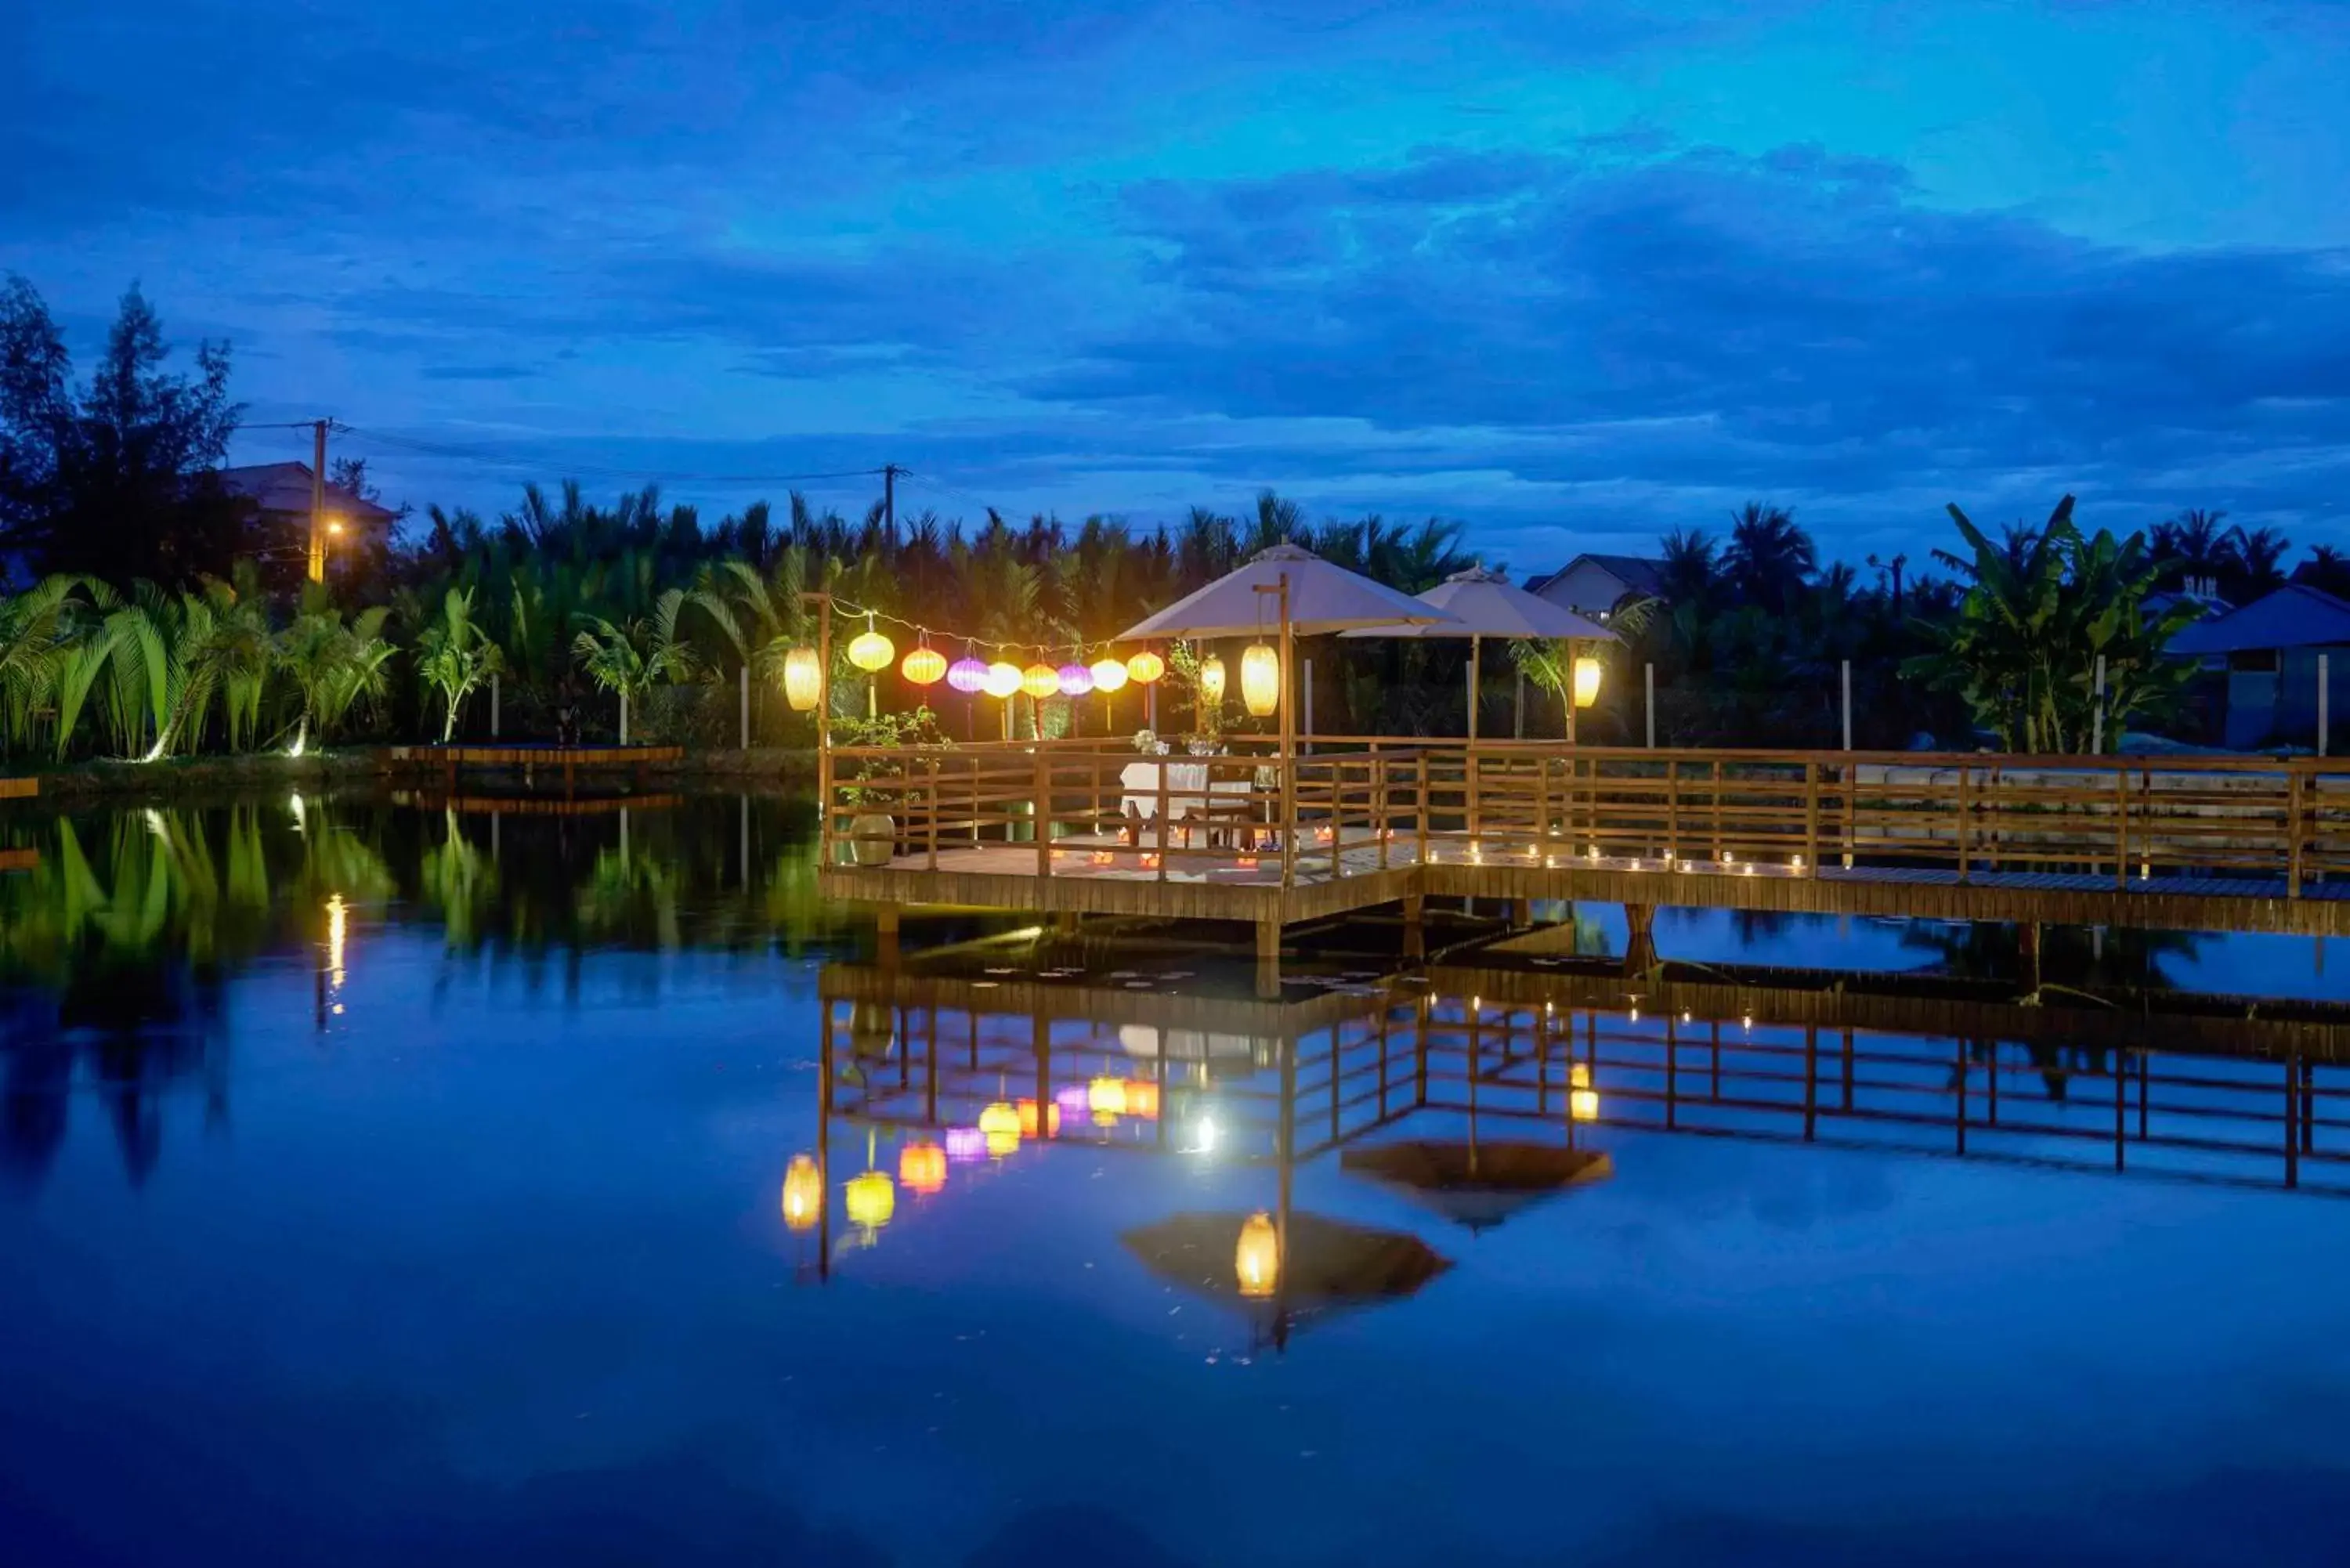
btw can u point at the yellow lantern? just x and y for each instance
(803, 1193)
(1258, 1261)
(926, 666)
(1041, 680)
(1002, 679)
(872, 1200)
(1107, 1096)
(1109, 675)
(1144, 667)
(1586, 681)
(999, 1124)
(922, 1168)
(1212, 679)
(1261, 678)
(871, 650)
(802, 679)
(1582, 1099)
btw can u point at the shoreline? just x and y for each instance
(103, 780)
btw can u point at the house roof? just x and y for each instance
(285, 487)
(2294, 615)
(1638, 574)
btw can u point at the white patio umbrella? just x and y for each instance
(1302, 594)
(1321, 598)
(1483, 604)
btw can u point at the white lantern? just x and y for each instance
(1261, 678)
(1002, 679)
(1109, 674)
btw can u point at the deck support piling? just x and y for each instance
(884, 933)
(1415, 927)
(1640, 938)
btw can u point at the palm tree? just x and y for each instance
(2258, 554)
(454, 655)
(333, 667)
(2194, 545)
(1688, 576)
(632, 659)
(1769, 557)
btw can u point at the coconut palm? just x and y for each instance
(633, 657)
(333, 667)
(1768, 558)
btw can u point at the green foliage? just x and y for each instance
(2022, 649)
(453, 656)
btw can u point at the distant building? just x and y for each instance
(1596, 584)
(2269, 651)
(280, 495)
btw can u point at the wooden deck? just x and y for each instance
(449, 762)
(2195, 844)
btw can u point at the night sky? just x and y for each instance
(1572, 272)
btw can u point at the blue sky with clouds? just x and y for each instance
(1571, 272)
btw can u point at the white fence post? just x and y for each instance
(1648, 691)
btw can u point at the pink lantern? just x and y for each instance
(967, 675)
(1076, 679)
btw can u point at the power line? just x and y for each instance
(510, 459)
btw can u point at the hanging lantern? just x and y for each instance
(967, 675)
(803, 1193)
(1586, 681)
(1107, 1096)
(922, 1168)
(1144, 667)
(872, 1200)
(1261, 678)
(1074, 680)
(926, 666)
(802, 679)
(1028, 1119)
(1109, 675)
(1258, 1260)
(869, 650)
(1041, 680)
(1212, 679)
(1002, 679)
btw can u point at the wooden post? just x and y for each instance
(1649, 686)
(932, 765)
(1810, 818)
(1476, 645)
(2121, 829)
(1040, 811)
(823, 727)
(1288, 775)
(2292, 829)
(1518, 704)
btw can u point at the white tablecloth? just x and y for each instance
(1188, 786)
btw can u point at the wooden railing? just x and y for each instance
(1350, 805)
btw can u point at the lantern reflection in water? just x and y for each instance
(1028, 1120)
(872, 1200)
(1582, 1098)
(966, 1144)
(1257, 1262)
(999, 1125)
(1107, 1096)
(922, 1168)
(1142, 1099)
(803, 1193)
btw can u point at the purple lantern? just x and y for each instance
(966, 1144)
(1076, 679)
(967, 675)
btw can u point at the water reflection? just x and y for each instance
(1484, 1088)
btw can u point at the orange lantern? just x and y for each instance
(922, 1168)
(1142, 1099)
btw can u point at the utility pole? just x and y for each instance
(318, 501)
(890, 472)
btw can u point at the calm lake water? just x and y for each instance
(377, 1189)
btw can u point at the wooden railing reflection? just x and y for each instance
(1450, 1066)
(1362, 805)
